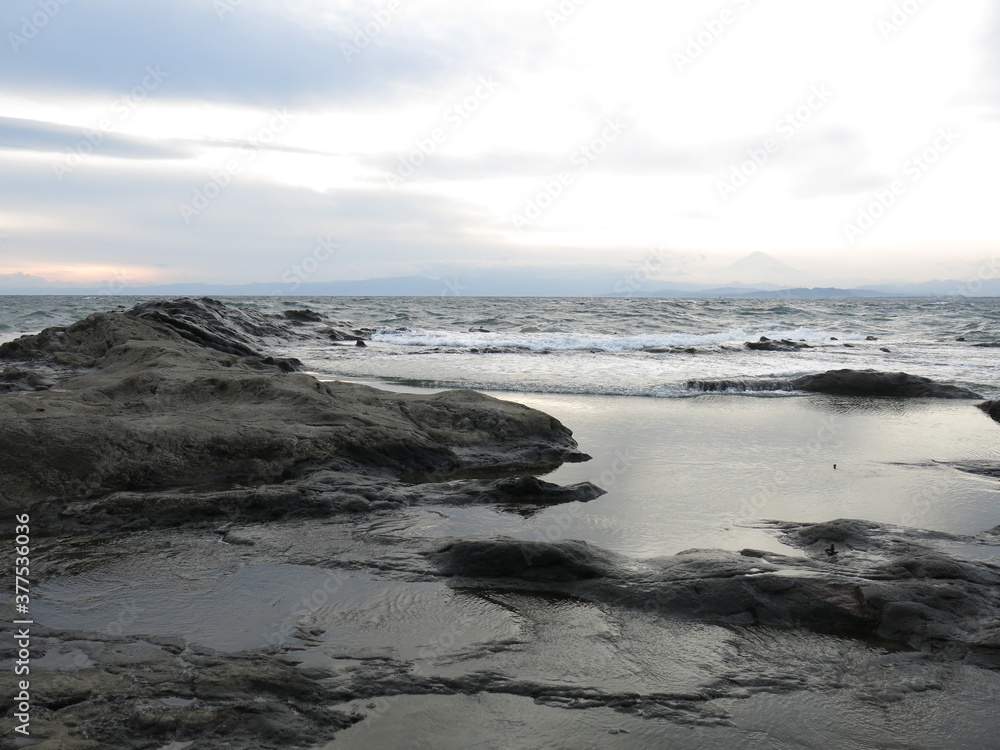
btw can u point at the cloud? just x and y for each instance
(127, 214)
(252, 51)
(22, 281)
(47, 137)
(630, 154)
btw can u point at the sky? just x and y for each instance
(235, 141)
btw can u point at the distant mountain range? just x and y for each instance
(796, 292)
(421, 286)
(755, 275)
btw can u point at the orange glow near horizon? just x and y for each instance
(81, 273)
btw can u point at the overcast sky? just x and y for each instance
(158, 141)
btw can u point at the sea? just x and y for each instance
(682, 468)
(649, 347)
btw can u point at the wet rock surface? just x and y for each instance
(144, 692)
(173, 394)
(881, 581)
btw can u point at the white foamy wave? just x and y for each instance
(584, 341)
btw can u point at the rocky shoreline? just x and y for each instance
(176, 415)
(170, 413)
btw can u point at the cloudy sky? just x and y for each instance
(159, 141)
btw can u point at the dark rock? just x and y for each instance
(534, 490)
(992, 408)
(883, 349)
(834, 338)
(140, 692)
(16, 379)
(285, 364)
(359, 342)
(873, 383)
(871, 338)
(739, 386)
(988, 343)
(155, 409)
(211, 323)
(769, 345)
(337, 334)
(506, 557)
(478, 330)
(303, 316)
(885, 581)
(960, 338)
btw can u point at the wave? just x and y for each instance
(591, 341)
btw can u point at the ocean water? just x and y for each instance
(682, 469)
(601, 345)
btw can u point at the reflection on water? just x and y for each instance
(694, 472)
(680, 474)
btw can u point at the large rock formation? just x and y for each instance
(882, 581)
(177, 394)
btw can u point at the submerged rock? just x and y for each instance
(739, 386)
(533, 561)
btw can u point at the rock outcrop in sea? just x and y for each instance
(846, 382)
(152, 404)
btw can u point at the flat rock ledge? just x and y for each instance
(845, 382)
(176, 404)
(885, 582)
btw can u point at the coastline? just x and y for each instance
(665, 477)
